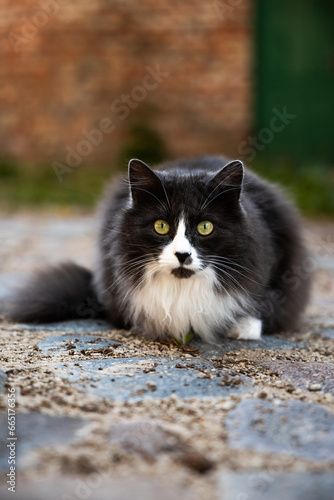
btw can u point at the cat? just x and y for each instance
(200, 246)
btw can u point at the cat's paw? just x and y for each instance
(246, 328)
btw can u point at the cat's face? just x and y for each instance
(181, 224)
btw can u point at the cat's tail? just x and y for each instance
(55, 294)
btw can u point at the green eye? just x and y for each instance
(161, 226)
(205, 228)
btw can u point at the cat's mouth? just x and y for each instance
(182, 272)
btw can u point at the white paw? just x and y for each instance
(247, 328)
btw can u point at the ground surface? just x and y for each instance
(103, 414)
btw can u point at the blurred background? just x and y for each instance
(87, 85)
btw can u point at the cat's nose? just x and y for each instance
(184, 257)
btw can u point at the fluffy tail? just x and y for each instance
(55, 294)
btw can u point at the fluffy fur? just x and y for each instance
(236, 281)
(53, 294)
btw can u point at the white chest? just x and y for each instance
(169, 307)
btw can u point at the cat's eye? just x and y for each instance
(161, 226)
(205, 228)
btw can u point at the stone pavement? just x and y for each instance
(103, 414)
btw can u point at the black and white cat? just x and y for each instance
(200, 245)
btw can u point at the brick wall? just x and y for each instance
(67, 66)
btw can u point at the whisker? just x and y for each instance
(149, 192)
(207, 202)
(219, 194)
(231, 261)
(223, 270)
(224, 264)
(125, 273)
(230, 276)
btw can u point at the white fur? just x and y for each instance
(180, 243)
(247, 328)
(168, 306)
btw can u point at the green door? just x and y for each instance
(295, 71)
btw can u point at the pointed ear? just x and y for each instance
(229, 180)
(145, 184)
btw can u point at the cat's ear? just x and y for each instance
(229, 179)
(145, 185)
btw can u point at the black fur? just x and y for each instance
(54, 294)
(255, 227)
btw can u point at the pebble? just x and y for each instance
(277, 402)
(151, 385)
(314, 387)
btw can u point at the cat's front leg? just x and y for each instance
(247, 328)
